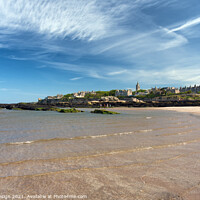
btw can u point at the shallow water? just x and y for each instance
(22, 126)
(45, 146)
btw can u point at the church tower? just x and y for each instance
(137, 87)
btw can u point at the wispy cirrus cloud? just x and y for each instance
(76, 78)
(8, 90)
(133, 44)
(186, 25)
(71, 18)
(96, 39)
(173, 75)
(178, 74)
(86, 71)
(116, 72)
(174, 41)
(100, 72)
(17, 58)
(102, 24)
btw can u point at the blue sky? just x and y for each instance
(63, 46)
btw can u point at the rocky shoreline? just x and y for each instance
(97, 104)
(25, 106)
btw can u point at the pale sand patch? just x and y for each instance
(188, 109)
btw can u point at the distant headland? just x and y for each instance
(154, 97)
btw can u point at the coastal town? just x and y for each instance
(154, 97)
(126, 97)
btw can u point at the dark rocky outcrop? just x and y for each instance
(26, 106)
(72, 110)
(98, 104)
(97, 111)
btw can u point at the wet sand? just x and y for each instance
(188, 109)
(160, 161)
(192, 109)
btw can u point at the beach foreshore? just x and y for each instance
(187, 109)
(141, 154)
(190, 109)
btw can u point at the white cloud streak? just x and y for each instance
(114, 73)
(175, 41)
(78, 69)
(186, 25)
(76, 78)
(8, 90)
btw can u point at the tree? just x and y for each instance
(189, 92)
(67, 97)
(112, 92)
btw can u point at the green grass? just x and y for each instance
(104, 112)
(67, 97)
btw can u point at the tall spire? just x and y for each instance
(137, 86)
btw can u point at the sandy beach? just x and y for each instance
(193, 110)
(141, 154)
(189, 109)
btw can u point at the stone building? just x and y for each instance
(194, 89)
(79, 94)
(142, 93)
(51, 99)
(175, 90)
(125, 93)
(82, 94)
(164, 89)
(58, 96)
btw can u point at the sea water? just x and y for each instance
(39, 143)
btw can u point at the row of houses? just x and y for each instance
(164, 90)
(174, 90)
(57, 97)
(194, 89)
(129, 92)
(82, 94)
